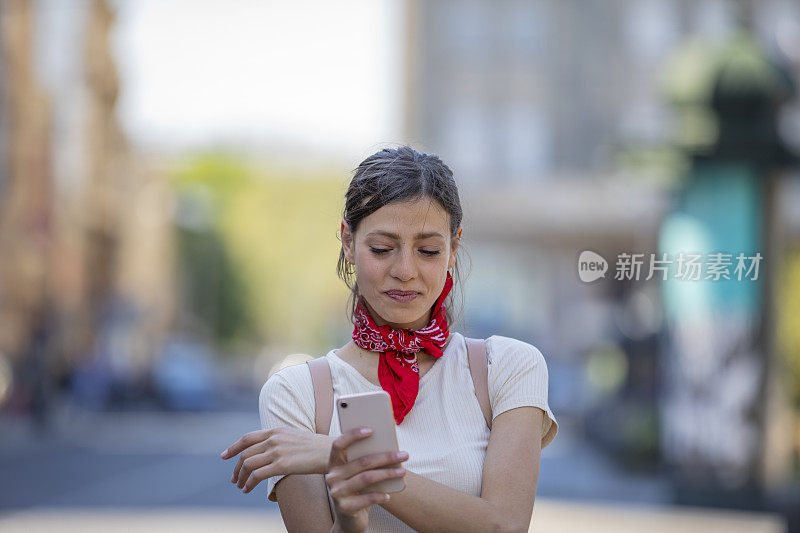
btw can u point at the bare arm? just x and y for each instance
(303, 502)
(510, 477)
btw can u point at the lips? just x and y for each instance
(402, 296)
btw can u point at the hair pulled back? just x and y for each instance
(399, 175)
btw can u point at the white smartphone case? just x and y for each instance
(372, 410)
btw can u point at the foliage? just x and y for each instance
(277, 230)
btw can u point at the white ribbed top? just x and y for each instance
(445, 433)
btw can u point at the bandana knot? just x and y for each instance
(398, 370)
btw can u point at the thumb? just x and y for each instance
(340, 445)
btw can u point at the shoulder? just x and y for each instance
(296, 377)
(515, 365)
(287, 398)
(517, 378)
(504, 350)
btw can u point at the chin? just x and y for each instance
(406, 317)
(399, 318)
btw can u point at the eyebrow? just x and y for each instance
(396, 237)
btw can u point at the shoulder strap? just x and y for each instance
(323, 393)
(479, 368)
(323, 405)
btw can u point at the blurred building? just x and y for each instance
(84, 227)
(523, 91)
(534, 105)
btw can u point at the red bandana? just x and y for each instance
(398, 371)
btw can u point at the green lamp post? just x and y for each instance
(726, 101)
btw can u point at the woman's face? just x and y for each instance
(404, 246)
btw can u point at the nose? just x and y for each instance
(404, 267)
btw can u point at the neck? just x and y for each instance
(352, 345)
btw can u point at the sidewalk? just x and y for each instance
(554, 516)
(550, 516)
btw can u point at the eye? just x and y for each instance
(378, 251)
(430, 252)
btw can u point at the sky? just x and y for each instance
(306, 73)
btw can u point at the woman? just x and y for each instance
(400, 236)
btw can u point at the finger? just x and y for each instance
(248, 466)
(245, 442)
(250, 452)
(375, 460)
(236, 470)
(363, 480)
(352, 504)
(339, 447)
(257, 476)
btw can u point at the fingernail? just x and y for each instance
(385, 496)
(224, 454)
(402, 455)
(365, 431)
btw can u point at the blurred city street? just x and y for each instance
(622, 195)
(143, 459)
(158, 471)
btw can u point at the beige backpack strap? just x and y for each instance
(323, 404)
(479, 368)
(323, 393)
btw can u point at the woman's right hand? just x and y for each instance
(346, 480)
(277, 451)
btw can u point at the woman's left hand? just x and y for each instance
(278, 451)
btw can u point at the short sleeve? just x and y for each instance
(287, 400)
(518, 377)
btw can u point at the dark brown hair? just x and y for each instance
(398, 175)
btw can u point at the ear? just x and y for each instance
(347, 241)
(455, 242)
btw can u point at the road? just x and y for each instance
(156, 471)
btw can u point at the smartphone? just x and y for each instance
(372, 410)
